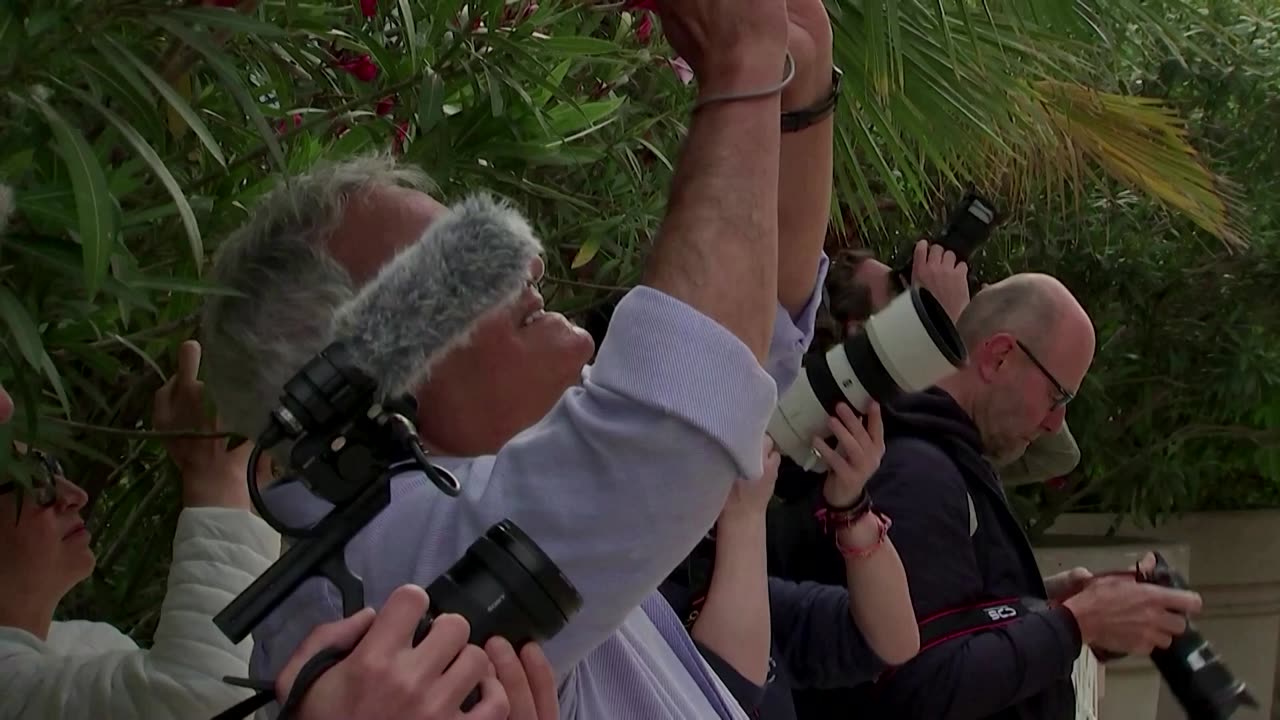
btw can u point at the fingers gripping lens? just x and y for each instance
(907, 347)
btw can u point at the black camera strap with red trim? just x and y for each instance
(950, 624)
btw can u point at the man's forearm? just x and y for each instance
(717, 250)
(804, 191)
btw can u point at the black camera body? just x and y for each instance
(348, 443)
(970, 225)
(1202, 683)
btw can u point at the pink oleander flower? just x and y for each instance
(400, 138)
(681, 69)
(644, 33)
(369, 8)
(361, 66)
(386, 105)
(644, 29)
(282, 126)
(514, 14)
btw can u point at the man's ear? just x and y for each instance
(992, 354)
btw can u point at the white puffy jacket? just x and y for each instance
(93, 671)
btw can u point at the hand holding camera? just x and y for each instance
(1119, 614)
(943, 273)
(856, 456)
(387, 676)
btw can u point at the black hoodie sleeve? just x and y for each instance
(815, 638)
(977, 675)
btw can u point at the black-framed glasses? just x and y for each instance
(1064, 395)
(44, 482)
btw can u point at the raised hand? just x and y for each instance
(809, 40)
(732, 45)
(211, 476)
(750, 498)
(939, 271)
(856, 457)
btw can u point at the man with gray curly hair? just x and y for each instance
(615, 471)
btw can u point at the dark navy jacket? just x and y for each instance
(815, 643)
(1021, 671)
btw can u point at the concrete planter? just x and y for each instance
(1236, 571)
(1130, 688)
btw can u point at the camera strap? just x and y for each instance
(958, 622)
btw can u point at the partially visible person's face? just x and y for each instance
(44, 551)
(1021, 401)
(876, 279)
(518, 361)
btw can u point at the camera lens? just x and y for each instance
(907, 347)
(505, 586)
(1203, 685)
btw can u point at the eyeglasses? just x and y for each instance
(1064, 395)
(44, 484)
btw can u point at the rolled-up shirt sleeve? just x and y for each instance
(615, 484)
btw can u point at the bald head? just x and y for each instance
(1032, 307)
(1030, 345)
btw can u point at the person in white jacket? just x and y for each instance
(70, 670)
(64, 670)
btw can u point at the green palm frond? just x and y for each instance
(1143, 143)
(1015, 96)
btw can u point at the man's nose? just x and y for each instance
(1053, 421)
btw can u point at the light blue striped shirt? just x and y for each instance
(615, 484)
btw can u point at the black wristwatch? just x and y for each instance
(798, 120)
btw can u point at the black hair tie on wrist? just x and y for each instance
(797, 120)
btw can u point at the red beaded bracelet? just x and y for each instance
(861, 553)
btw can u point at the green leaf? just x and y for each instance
(410, 36)
(144, 149)
(228, 19)
(65, 261)
(22, 328)
(226, 70)
(171, 96)
(51, 371)
(17, 163)
(194, 287)
(27, 336)
(586, 253)
(496, 103)
(569, 119)
(430, 102)
(93, 199)
(577, 46)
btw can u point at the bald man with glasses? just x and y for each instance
(1011, 637)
